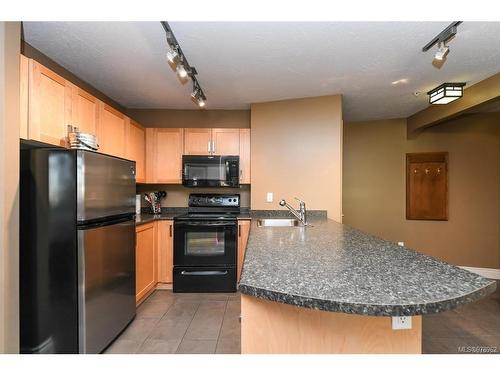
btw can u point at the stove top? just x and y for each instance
(212, 207)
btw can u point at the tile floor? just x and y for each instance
(196, 323)
(209, 323)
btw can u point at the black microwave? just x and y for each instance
(210, 171)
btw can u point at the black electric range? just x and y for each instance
(205, 244)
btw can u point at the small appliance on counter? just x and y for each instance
(205, 244)
(210, 171)
(154, 200)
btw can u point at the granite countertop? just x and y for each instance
(333, 267)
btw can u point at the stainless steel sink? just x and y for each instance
(278, 223)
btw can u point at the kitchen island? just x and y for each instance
(329, 288)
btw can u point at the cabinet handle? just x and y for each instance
(170, 230)
(239, 230)
(241, 174)
(213, 147)
(209, 147)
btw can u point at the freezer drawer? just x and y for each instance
(106, 283)
(105, 186)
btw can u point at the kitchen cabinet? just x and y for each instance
(49, 105)
(136, 148)
(164, 148)
(145, 260)
(197, 141)
(165, 246)
(225, 141)
(111, 131)
(23, 95)
(84, 110)
(244, 135)
(243, 232)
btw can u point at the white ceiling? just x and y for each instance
(240, 63)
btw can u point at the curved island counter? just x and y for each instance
(329, 288)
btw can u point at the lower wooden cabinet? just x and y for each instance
(165, 245)
(145, 260)
(243, 232)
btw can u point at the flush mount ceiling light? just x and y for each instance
(441, 39)
(179, 64)
(446, 93)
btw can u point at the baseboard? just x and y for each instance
(490, 273)
(164, 286)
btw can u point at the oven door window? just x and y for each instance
(205, 244)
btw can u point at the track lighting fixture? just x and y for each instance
(441, 52)
(179, 64)
(441, 39)
(197, 96)
(172, 57)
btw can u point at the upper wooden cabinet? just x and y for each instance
(164, 148)
(111, 131)
(136, 148)
(197, 141)
(225, 141)
(84, 110)
(245, 156)
(49, 105)
(23, 95)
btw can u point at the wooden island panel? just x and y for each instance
(275, 328)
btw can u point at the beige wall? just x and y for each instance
(10, 36)
(177, 195)
(374, 186)
(296, 148)
(174, 118)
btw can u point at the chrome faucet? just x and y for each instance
(300, 214)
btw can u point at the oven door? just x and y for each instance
(210, 171)
(205, 243)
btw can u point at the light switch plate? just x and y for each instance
(269, 198)
(401, 322)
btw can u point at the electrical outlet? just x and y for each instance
(269, 198)
(401, 243)
(401, 322)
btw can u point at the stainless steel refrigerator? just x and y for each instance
(77, 250)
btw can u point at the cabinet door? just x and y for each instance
(136, 148)
(245, 156)
(243, 232)
(167, 155)
(84, 110)
(111, 131)
(165, 245)
(49, 104)
(23, 94)
(145, 260)
(197, 141)
(226, 141)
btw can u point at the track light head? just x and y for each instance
(182, 73)
(198, 97)
(172, 57)
(441, 52)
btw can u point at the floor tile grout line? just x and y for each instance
(191, 321)
(220, 328)
(152, 329)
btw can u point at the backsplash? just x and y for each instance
(177, 195)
